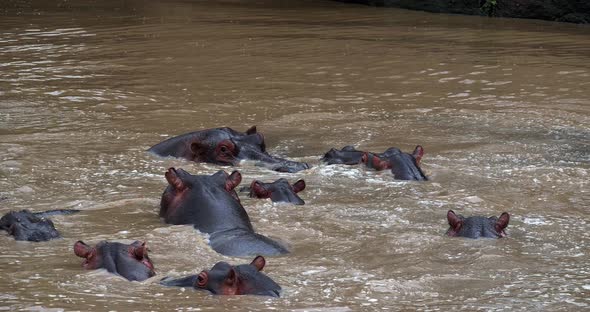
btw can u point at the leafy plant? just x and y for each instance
(489, 7)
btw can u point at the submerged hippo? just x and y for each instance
(212, 206)
(225, 146)
(226, 279)
(130, 261)
(477, 226)
(32, 226)
(278, 191)
(348, 155)
(404, 166)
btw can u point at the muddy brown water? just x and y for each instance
(501, 106)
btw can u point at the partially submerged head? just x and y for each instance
(27, 226)
(477, 226)
(245, 279)
(278, 191)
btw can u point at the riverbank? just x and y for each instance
(569, 11)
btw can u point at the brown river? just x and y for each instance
(501, 106)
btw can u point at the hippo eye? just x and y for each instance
(224, 149)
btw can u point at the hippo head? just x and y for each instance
(130, 261)
(181, 182)
(208, 202)
(245, 279)
(225, 146)
(278, 191)
(27, 226)
(348, 155)
(404, 166)
(477, 226)
(183, 186)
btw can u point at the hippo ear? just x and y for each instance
(502, 222)
(231, 278)
(174, 180)
(233, 180)
(454, 221)
(348, 148)
(418, 153)
(365, 158)
(299, 186)
(258, 262)
(139, 252)
(202, 279)
(252, 130)
(82, 250)
(257, 190)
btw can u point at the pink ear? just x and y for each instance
(233, 180)
(139, 252)
(252, 130)
(202, 279)
(174, 180)
(418, 153)
(502, 222)
(299, 186)
(231, 277)
(82, 250)
(258, 262)
(257, 190)
(454, 221)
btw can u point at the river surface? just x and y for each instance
(501, 106)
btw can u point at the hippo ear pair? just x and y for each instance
(456, 221)
(231, 278)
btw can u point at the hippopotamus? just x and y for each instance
(128, 260)
(278, 191)
(477, 226)
(32, 226)
(404, 166)
(226, 279)
(212, 206)
(348, 155)
(225, 146)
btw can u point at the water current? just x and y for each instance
(501, 106)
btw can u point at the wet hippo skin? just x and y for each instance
(279, 191)
(130, 261)
(348, 155)
(225, 146)
(212, 206)
(477, 226)
(404, 166)
(32, 226)
(226, 279)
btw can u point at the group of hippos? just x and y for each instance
(211, 204)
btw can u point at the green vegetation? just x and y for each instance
(489, 8)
